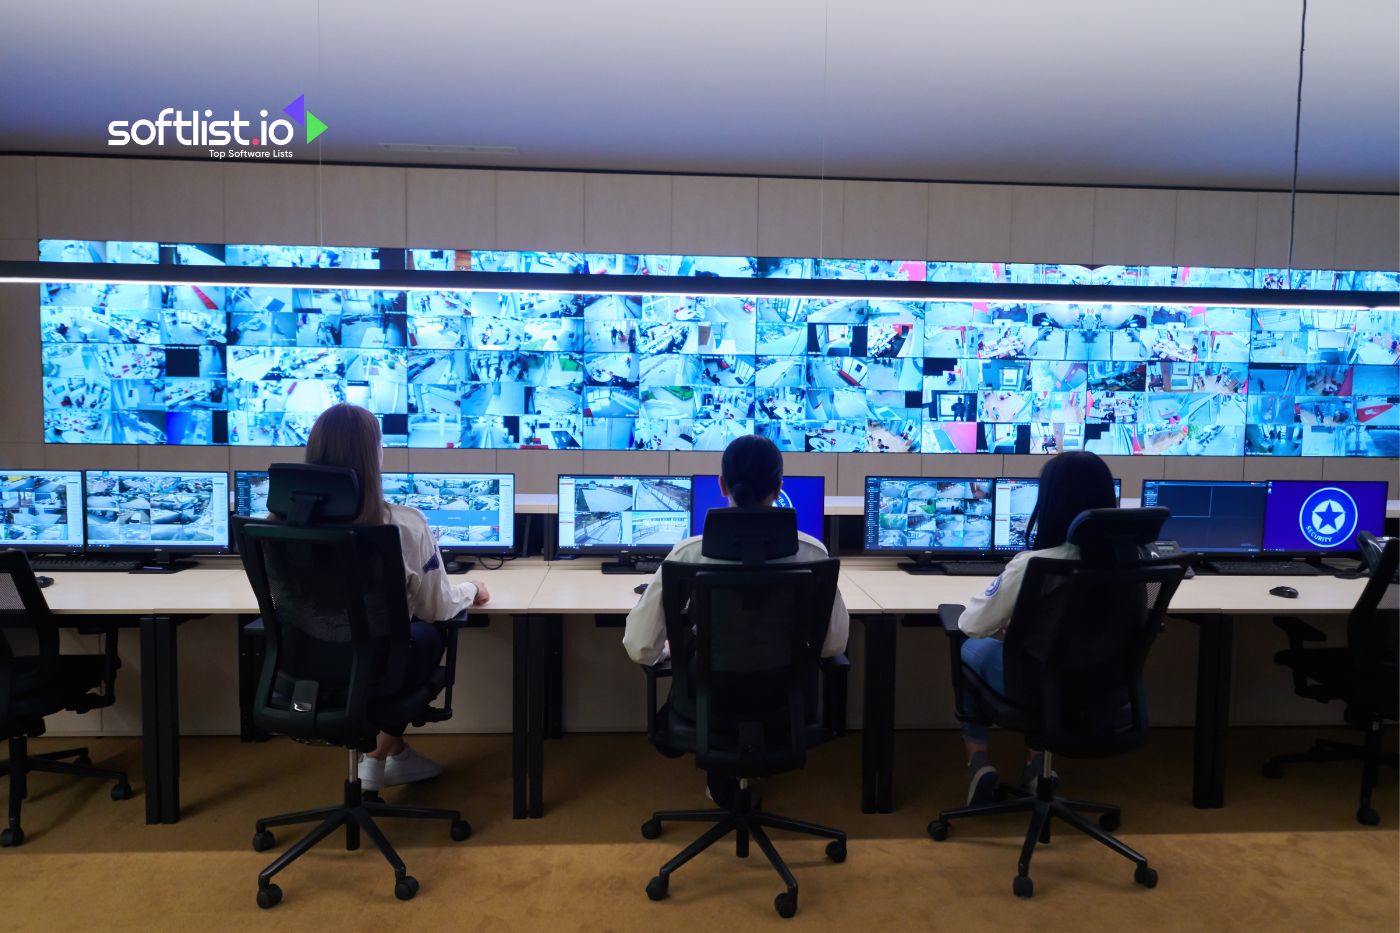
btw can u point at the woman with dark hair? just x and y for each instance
(1070, 483)
(751, 476)
(348, 436)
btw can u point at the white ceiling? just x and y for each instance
(1134, 92)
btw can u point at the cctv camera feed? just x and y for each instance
(1014, 501)
(611, 513)
(198, 365)
(933, 514)
(156, 509)
(41, 509)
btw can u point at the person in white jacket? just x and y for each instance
(348, 436)
(1070, 483)
(751, 475)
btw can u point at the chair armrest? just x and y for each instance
(835, 677)
(948, 614)
(452, 626)
(662, 668)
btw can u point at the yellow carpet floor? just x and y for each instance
(1282, 855)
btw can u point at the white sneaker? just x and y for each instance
(371, 773)
(409, 767)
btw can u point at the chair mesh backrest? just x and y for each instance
(318, 582)
(28, 635)
(1373, 626)
(1077, 643)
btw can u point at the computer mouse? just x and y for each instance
(639, 589)
(1287, 592)
(43, 581)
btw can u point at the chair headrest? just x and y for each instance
(752, 536)
(1379, 553)
(303, 493)
(1116, 534)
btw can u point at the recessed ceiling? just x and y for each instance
(1131, 92)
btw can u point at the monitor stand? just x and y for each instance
(456, 564)
(631, 564)
(921, 564)
(164, 562)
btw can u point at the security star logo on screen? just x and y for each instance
(1327, 517)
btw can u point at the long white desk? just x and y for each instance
(538, 596)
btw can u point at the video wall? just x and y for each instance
(179, 364)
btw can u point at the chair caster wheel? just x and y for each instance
(1147, 877)
(651, 829)
(938, 830)
(121, 791)
(1108, 822)
(1367, 816)
(1272, 770)
(657, 888)
(269, 897)
(13, 836)
(405, 888)
(461, 830)
(83, 761)
(1022, 886)
(785, 904)
(263, 840)
(836, 851)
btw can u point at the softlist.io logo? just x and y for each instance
(236, 137)
(1327, 518)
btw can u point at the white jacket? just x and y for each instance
(989, 612)
(645, 636)
(432, 596)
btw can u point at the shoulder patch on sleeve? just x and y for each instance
(992, 589)
(433, 562)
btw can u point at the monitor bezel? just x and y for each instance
(696, 477)
(157, 548)
(1243, 554)
(49, 547)
(1117, 503)
(1352, 552)
(930, 553)
(612, 550)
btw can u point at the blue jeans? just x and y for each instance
(425, 645)
(983, 656)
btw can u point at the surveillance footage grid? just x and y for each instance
(180, 364)
(465, 511)
(944, 514)
(156, 509)
(41, 508)
(643, 512)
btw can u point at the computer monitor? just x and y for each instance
(469, 513)
(1321, 516)
(250, 493)
(914, 515)
(159, 511)
(42, 510)
(1210, 516)
(630, 516)
(805, 494)
(1013, 501)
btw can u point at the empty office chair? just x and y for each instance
(37, 681)
(335, 610)
(745, 660)
(1073, 658)
(1362, 674)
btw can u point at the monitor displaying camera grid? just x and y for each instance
(156, 509)
(41, 509)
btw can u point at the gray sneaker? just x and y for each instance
(982, 781)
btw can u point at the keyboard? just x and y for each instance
(973, 568)
(107, 564)
(1266, 568)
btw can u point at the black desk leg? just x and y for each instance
(519, 715)
(554, 678)
(150, 720)
(1213, 661)
(877, 753)
(539, 651)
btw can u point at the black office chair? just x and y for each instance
(745, 661)
(1362, 674)
(37, 681)
(1074, 653)
(335, 608)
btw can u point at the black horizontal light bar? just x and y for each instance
(12, 271)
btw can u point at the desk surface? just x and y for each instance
(577, 588)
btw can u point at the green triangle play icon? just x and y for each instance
(314, 126)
